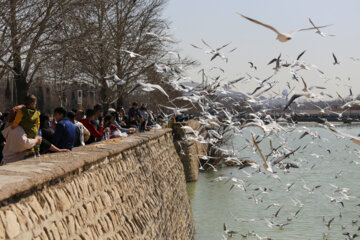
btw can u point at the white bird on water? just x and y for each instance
(282, 37)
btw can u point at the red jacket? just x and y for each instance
(92, 129)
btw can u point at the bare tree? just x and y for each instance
(124, 36)
(27, 38)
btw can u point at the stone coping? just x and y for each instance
(26, 175)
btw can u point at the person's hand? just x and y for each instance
(64, 150)
(38, 140)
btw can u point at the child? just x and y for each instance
(29, 119)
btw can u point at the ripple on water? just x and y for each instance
(213, 204)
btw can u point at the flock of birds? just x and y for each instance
(219, 117)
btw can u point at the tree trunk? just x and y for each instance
(22, 88)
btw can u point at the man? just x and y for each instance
(79, 115)
(144, 117)
(47, 132)
(134, 116)
(65, 131)
(98, 109)
(81, 132)
(88, 123)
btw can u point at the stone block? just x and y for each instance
(12, 225)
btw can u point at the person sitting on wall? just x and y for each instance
(121, 128)
(122, 119)
(17, 145)
(81, 131)
(114, 128)
(98, 111)
(29, 119)
(144, 117)
(46, 131)
(134, 116)
(65, 131)
(79, 115)
(95, 134)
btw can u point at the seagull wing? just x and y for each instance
(342, 99)
(134, 88)
(313, 24)
(312, 28)
(195, 46)
(272, 61)
(256, 89)
(158, 87)
(335, 59)
(305, 86)
(170, 108)
(126, 75)
(260, 23)
(300, 55)
(206, 44)
(284, 157)
(266, 166)
(214, 56)
(295, 96)
(218, 49)
(236, 80)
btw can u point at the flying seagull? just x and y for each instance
(148, 87)
(320, 32)
(115, 78)
(282, 37)
(252, 65)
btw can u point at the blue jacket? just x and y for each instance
(65, 134)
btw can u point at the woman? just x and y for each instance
(18, 144)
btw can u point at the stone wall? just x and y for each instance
(131, 188)
(189, 152)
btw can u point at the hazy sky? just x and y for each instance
(216, 22)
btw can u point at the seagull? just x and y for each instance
(277, 60)
(177, 111)
(320, 32)
(252, 65)
(329, 223)
(228, 232)
(349, 236)
(115, 78)
(282, 37)
(132, 54)
(159, 37)
(215, 52)
(148, 87)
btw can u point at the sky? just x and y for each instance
(217, 23)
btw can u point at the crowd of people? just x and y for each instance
(26, 133)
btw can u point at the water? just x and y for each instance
(214, 204)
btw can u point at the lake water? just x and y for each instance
(325, 160)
